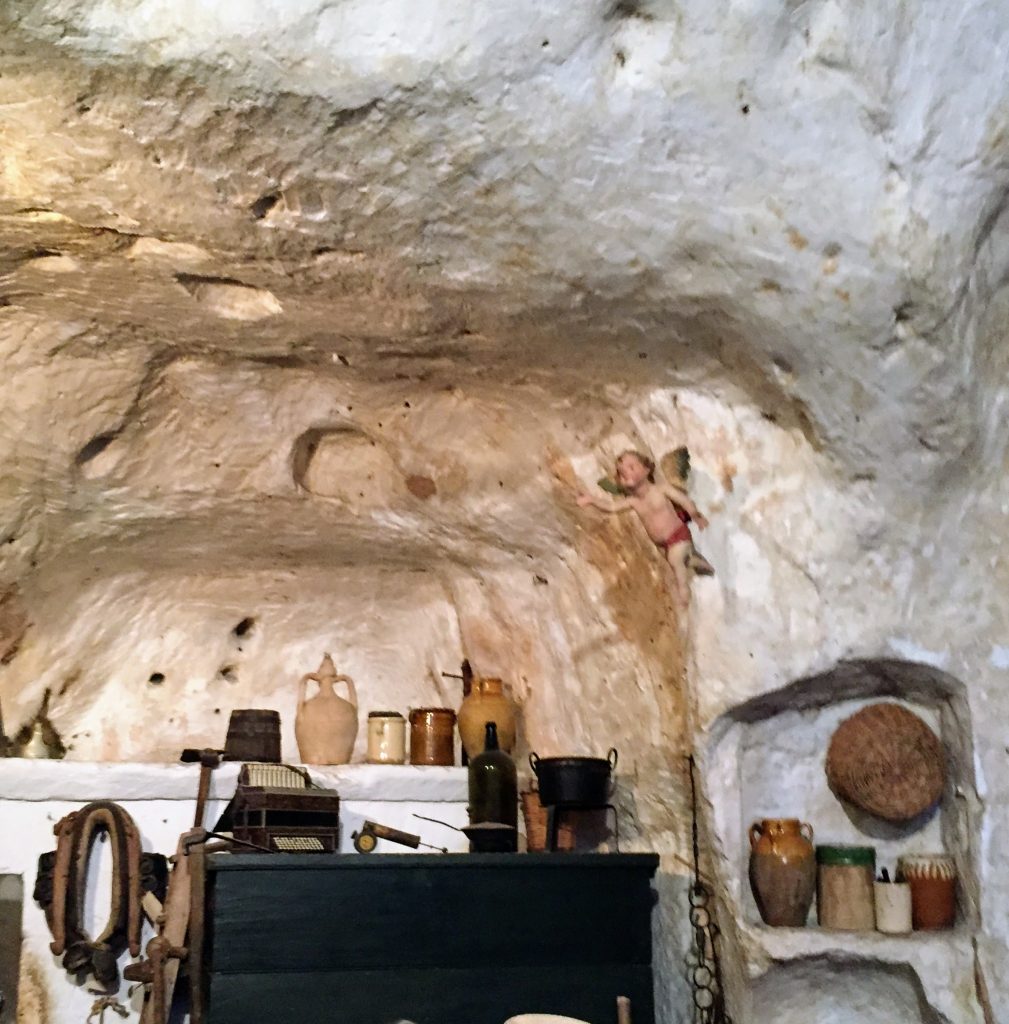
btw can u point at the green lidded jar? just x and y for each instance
(854, 856)
(844, 887)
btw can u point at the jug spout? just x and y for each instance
(327, 670)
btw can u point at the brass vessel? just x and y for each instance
(37, 739)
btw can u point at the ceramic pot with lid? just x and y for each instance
(932, 877)
(386, 737)
(432, 736)
(845, 881)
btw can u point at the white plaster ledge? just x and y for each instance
(943, 960)
(782, 944)
(28, 780)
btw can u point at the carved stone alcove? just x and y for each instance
(765, 758)
(815, 990)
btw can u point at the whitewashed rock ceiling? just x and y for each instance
(815, 188)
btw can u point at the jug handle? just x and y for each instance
(303, 685)
(351, 691)
(755, 833)
(611, 757)
(806, 825)
(534, 763)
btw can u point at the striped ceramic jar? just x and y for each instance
(932, 877)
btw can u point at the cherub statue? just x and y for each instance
(664, 510)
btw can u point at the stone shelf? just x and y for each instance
(781, 944)
(940, 959)
(29, 780)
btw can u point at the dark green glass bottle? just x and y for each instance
(493, 784)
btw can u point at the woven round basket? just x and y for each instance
(887, 761)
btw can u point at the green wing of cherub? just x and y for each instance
(682, 460)
(611, 486)
(676, 466)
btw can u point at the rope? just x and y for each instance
(106, 1003)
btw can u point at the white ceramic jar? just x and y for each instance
(386, 737)
(893, 907)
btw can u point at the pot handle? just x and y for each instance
(803, 827)
(612, 758)
(534, 763)
(755, 833)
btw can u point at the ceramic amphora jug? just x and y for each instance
(782, 870)
(485, 703)
(326, 725)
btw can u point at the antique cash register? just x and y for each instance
(278, 808)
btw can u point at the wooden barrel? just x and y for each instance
(253, 735)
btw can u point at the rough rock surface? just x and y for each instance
(316, 313)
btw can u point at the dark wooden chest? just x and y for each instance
(449, 939)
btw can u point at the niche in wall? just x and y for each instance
(815, 990)
(766, 759)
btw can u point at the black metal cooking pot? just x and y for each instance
(574, 781)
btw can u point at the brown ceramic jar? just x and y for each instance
(432, 736)
(782, 870)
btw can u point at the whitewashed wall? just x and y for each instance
(34, 795)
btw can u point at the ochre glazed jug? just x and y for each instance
(326, 725)
(782, 870)
(486, 703)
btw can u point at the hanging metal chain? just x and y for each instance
(704, 969)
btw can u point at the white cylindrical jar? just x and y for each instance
(386, 737)
(893, 907)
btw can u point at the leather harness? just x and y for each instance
(61, 888)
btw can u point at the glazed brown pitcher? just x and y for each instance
(782, 870)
